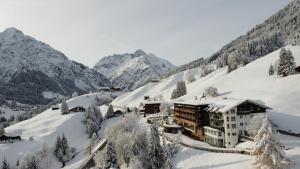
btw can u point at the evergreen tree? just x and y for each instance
(174, 94)
(268, 150)
(180, 90)
(110, 112)
(62, 150)
(286, 64)
(5, 164)
(110, 159)
(271, 70)
(29, 162)
(64, 107)
(2, 130)
(155, 151)
(93, 119)
(127, 154)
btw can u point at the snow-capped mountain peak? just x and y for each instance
(26, 60)
(130, 71)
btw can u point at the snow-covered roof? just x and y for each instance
(192, 102)
(225, 104)
(218, 104)
(152, 102)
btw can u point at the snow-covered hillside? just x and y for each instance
(130, 71)
(252, 81)
(30, 68)
(45, 127)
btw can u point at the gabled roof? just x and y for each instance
(218, 104)
(223, 105)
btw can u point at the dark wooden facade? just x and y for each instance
(151, 108)
(249, 107)
(192, 118)
(77, 109)
(297, 69)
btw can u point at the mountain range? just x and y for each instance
(32, 72)
(130, 71)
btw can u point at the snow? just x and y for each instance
(51, 95)
(45, 127)
(189, 158)
(130, 71)
(252, 82)
(9, 112)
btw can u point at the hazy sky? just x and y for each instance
(177, 30)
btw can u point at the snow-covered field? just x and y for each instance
(45, 127)
(188, 158)
(249, 82)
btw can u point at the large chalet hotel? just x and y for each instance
(221, 122)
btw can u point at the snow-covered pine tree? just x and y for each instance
(286, 64)
(181, 88)
(179, 91)
(155, 151)
(174, 94)
(110, 159)
(5, 164)
(62, 150)
(29, 162)
(2, 130)
(92, 119)
(271, 70)
(110, 112)
(292, 63)
(268, 150)
(64, 107)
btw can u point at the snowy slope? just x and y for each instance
(30, 68)
(130, 71)
(249, 82)
(46, 126)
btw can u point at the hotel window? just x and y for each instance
(227, 118)
(232, 111)
(241, 124)
(241, 116)
(228, 134)
(233, 118)
(228, 126)
(233, 126)
(220, 134)
(234, 134)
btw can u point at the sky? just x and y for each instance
(177, 30)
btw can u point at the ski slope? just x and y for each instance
(45, 127)
(252, 81)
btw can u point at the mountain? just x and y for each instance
(32, 72)
(252, 81)
(130, 71)
(283, 28)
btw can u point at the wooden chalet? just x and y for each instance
(192, 116)
(151, 108)
(229, 120)
(77, 109)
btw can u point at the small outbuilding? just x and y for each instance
(77, 109)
